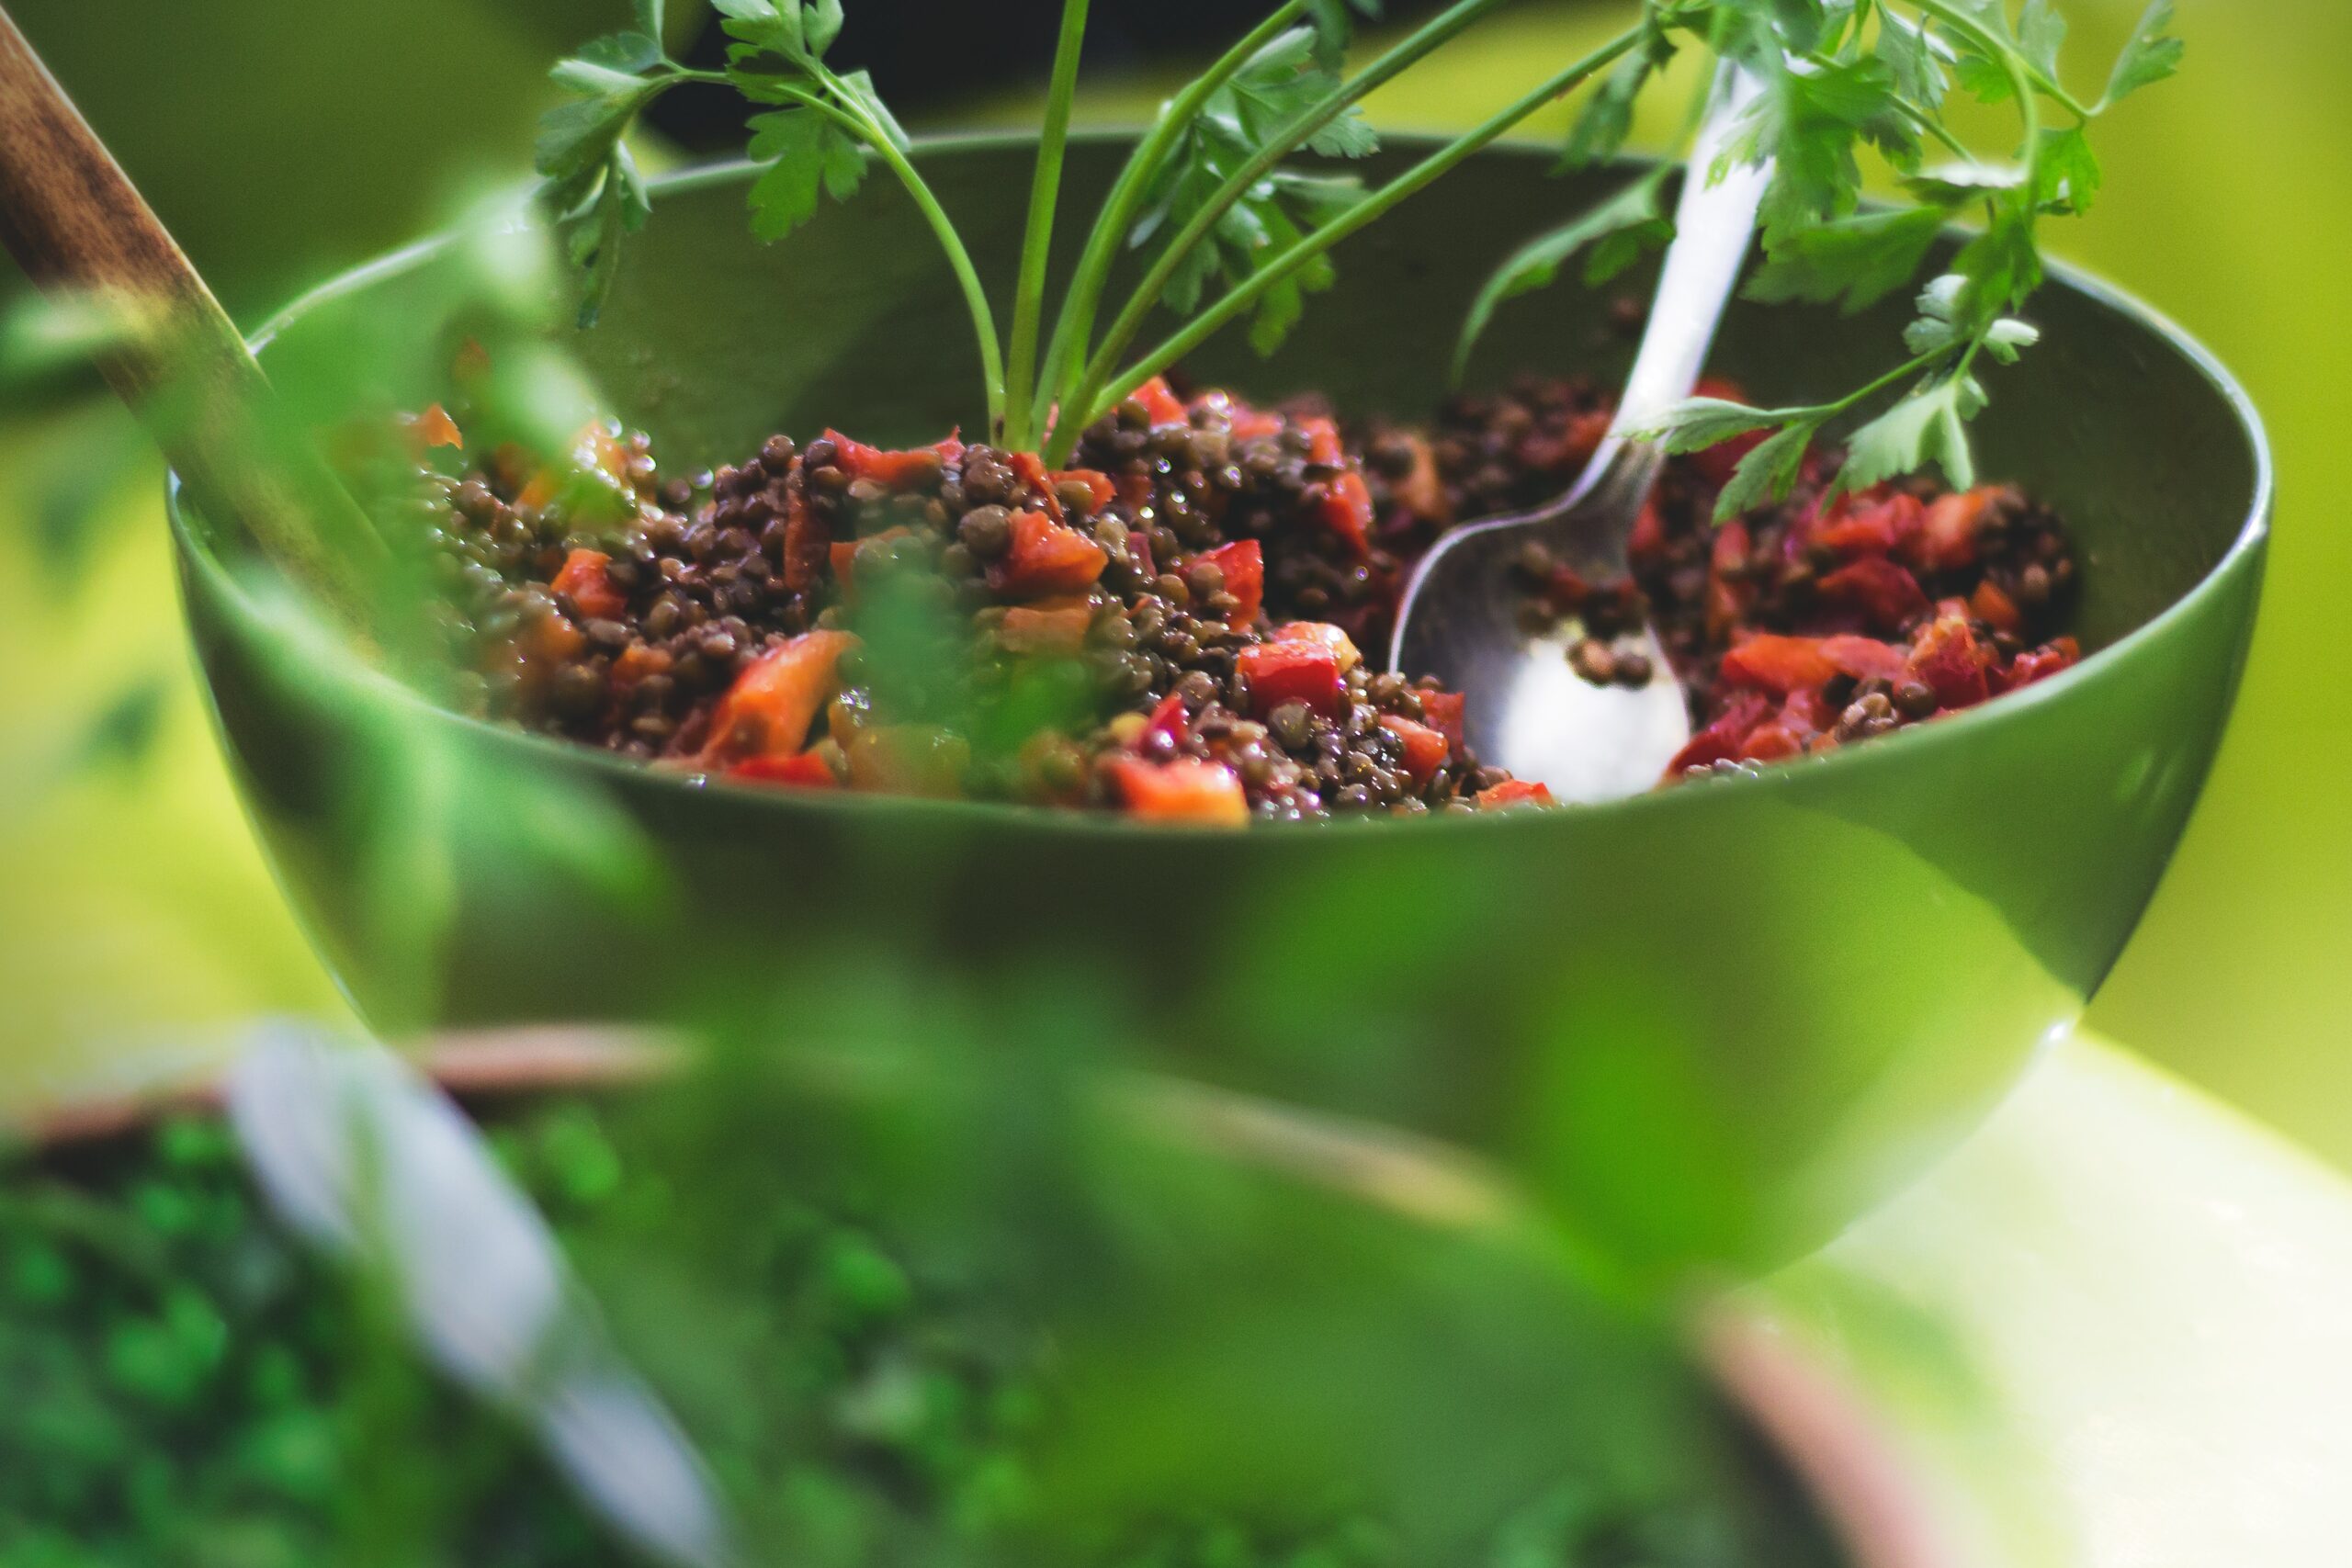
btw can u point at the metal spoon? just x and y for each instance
(1527, 710)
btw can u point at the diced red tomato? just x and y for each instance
(1426, 750)
(803, 770)
(1882, 594)
(1243, 563)
(1995, 608)
(1946, 538)
(1281, 673)
(1513, 791)
(1048, 627)
(1346, 511)
(1720, 741)
(1441, 711)
(1322, 634)
(1421, 490)
(1030, 469)
(1047, 556)
(768, 710)
(1186, 790)
(584, 579)
(1950, 661)
(892, 471)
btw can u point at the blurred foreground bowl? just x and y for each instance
(1715, 1022)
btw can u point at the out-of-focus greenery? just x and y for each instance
(131, 901)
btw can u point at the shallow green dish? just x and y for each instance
(1715, 1022)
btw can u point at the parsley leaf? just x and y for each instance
(1918, 75)
(1930, 425)
(1619, 229)
(1769, 473)
(1695, 423)
(2149, 55)
(2042, 32)
(1607, 119)
(1808, 122)
(1852, 261)
(805, 152)
(2068, 174)
(1333, 27)
(1265, 96)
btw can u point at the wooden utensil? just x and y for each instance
(82, 233)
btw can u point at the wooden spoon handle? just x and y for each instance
(80, 230)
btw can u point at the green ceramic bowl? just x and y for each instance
(1717, 1022)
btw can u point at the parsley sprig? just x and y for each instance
(1227, 226)
(1846, 80)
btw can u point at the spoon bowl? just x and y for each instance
(1462, 614)
(1715, 1021)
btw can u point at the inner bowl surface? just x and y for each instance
(1717, 1022)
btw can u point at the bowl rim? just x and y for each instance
(1955, 729)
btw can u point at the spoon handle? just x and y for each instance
(83, 235)
(1712, 224)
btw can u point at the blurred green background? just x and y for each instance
(283, 140)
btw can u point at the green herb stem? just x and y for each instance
(1036, 245)
(1372, 206)
(1075, 323)
(1431, 35)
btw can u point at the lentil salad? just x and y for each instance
(1173, 626)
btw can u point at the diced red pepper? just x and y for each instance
(803, 770)
(1864, 658)
(1946, 538)
(1441, 711)
(1160, 401)
(1648, 536)
(1779, 665)
(892, 471)
(1572, 447)
(768, 710)
(1421, 490)
(1251, 425)
(1047, 556)
(1346, 511)
(584, 579)
(1721, 740)
(1426, 750)
(1950, 661)
(1046, 627)
(1995, 608)
(1243, 562)
(1186, 790)
(2041, 663)
(1281, 673)
(1887, 597)
(1770, 742)
(1870, 524)
(1322, 441)
(1169, 718)
(1513, 791)
(1097, 483)
(1322, 634)
(433, 428)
